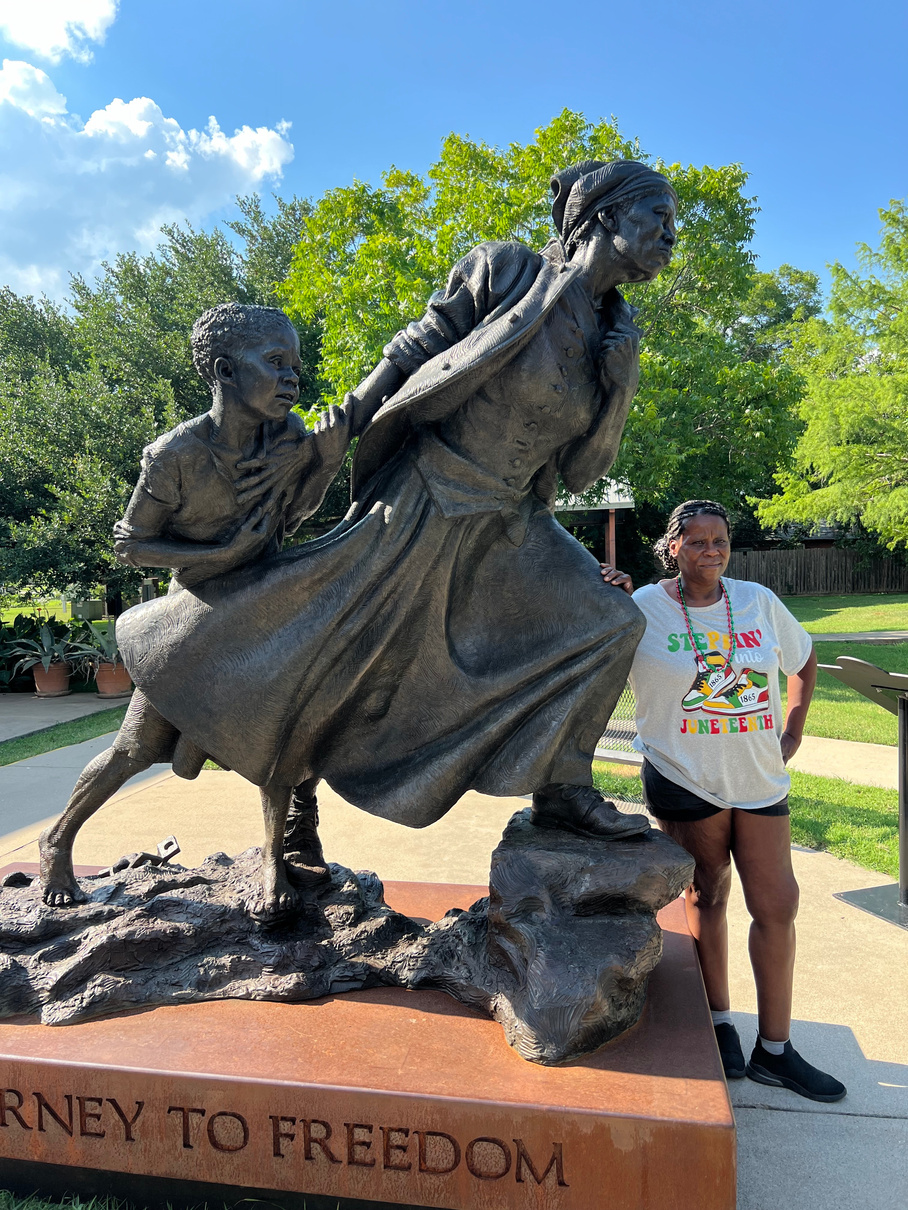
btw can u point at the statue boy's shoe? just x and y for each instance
(302, 846)
(583, 810)
(749, 695)
(715, 678)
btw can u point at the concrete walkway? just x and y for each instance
(851, 987)
(24, 713)
(863, 636)
(865, 764)
(35, 791)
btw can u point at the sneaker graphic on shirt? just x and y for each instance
(709, 681)
(749, 695)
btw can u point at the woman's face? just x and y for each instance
(702, 552)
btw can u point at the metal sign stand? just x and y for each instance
(889, 690)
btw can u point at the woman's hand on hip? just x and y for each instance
(790, 744)
(620, 579)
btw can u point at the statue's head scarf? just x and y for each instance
(582, 190)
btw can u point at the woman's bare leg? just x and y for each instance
(98, 781)
(709, 843)
(761, 846)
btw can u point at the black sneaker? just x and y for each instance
(789, 1070)
(730, 1051)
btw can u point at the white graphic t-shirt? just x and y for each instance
(712, 728)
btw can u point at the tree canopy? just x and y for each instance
(712, 416)
(84, 388)
(850, 464)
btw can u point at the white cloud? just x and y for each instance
(54, 28)
(73, 194)
(30, 89)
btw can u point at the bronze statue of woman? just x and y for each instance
(449, 634)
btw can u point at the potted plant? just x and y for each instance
(101, 655)
(48, 656)
(6, 661)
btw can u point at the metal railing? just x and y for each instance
(616, 745)
(621, 731)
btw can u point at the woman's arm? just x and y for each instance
(800, 691)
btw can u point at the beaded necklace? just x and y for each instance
(699, 654)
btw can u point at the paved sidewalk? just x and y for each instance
(24, 713)
(851, 987)
(35, 791)
(865, 764)
(882, 637)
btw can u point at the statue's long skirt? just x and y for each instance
(406, 657)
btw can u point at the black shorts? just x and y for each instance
(671, 803)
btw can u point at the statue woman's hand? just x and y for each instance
(620, 360)
(620, 579)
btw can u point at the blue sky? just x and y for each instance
(104, 123)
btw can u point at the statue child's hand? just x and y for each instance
(281, 468)
(254, 534)
(332, 435)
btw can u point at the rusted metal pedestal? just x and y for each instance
(384, 1098)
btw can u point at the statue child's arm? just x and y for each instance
(140, 537)
(326, 446)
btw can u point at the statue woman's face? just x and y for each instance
(643, 236)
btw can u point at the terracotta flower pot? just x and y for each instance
(113, 681)
(52, 683)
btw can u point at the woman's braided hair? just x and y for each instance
(675, 527)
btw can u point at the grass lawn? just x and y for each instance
(838, 712)
(61, 736)
(54, 609)
(843, 615)
(858, 823)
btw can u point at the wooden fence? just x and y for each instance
(821, 572)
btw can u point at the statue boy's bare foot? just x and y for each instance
(278, 898)
(58, 882)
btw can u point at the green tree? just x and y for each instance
(83, 390)
(850, 463)
(706, 419)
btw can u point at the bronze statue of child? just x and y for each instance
(216, 493)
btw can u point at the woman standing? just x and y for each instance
(709, 723)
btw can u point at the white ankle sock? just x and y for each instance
(723, 1017)
(772, 1048)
